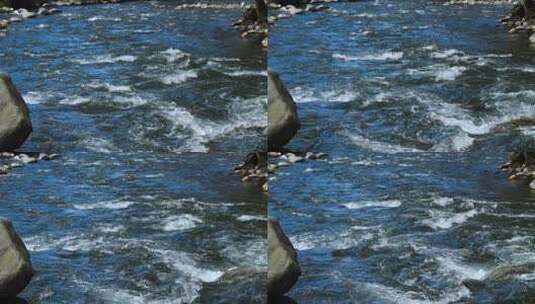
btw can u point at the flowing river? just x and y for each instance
(150, 104)
(417, 104)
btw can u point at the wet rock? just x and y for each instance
(25, 159)
(283, 121)
(254, 23)
(504, 285)
(254, 168)
(292, 158)
(4, 23)
(25, 14)
(284, 269)
(292, 10)
(281, 300)
(15, 266)
(15, 122)
(4, 169)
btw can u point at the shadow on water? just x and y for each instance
(281, 300)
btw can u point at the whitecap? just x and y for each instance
(112, 204)
(204, 5)
(172, 55)
(247, 218)
(303, 95)
(439, 72)
(245, 114)
(386, 56)
(373, 204)
(180, 222)
(179, 76)
(105, 59)
(446, 220)
(75, 100)
(245, 73)
(186, 265)
(35, 97)
(446, 53)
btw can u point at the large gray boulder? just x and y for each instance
(15, 266)
(283, 267)
(283, 121)
(15, 122)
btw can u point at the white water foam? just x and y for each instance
(248, 218)
(112, 204)
(185, 264)
(105, 59)
(446, 220)
(439, 72)
(75, 100)
(311, 240)
(205, 5)
(303, 95)
(36, 97)
(179, 76)
(386, 56)
(180, 222)
(373, 204)
(244, 114)
(109, 87)
(172, 55)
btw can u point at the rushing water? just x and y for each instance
(413, 102)
(150, 104)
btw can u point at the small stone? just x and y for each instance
(532, 38)
(274, 154)
(53, 156)
(26, 159)
(282, 164)
(532, 184)
(43, 156)
(265, 187)
(292, 158)
(4, 170)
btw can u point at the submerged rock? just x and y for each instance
(15, 122)
(504, 285)
(283, 121)
(15, 266)
(284, 269)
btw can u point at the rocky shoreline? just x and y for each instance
(256, 20)
(14, 11)
(521, 19)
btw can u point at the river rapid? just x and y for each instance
(415, 102)
(150, 104)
